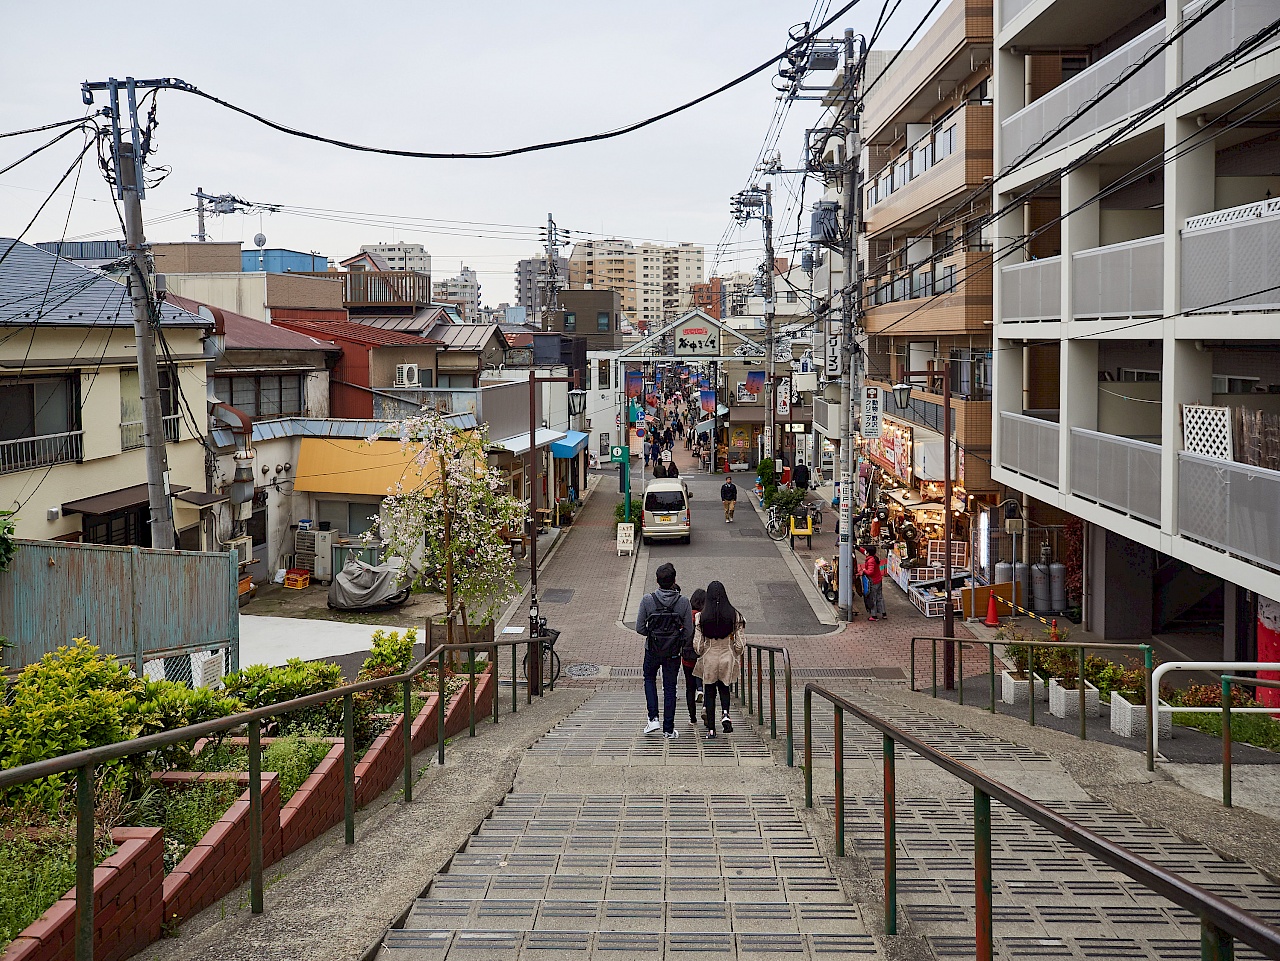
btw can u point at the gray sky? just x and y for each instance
(428, 76)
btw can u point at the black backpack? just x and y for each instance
(665, 629)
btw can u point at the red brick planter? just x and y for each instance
(127, 906)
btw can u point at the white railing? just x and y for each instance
(1233, 667)
(27, 453)
(1232, 507)
(1025, 128)
(1116, 472)
(1222, 30)
(1031, 291)
(131, 433)
(1119, 280)
(1228, 259)
(1029, 445)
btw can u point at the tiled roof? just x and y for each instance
(359, 333)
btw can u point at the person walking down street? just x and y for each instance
(689, 659)
(729, 497)
(874, 573)
(666, 621)
(655, 450)
(719, 644)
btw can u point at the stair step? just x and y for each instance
(498, 944)
(707, 886)
(698, 865)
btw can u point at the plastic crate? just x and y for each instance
(297, 578)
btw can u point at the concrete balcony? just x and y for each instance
(1119, 280)
(952, 295)
(1116, 472)
(966, 139)
(1029, 446)
(1231, 507)
(1025, 128)
(1031, 292)
(1229, 259)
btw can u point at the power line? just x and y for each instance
(49, 126)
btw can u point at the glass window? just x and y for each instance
(37, 406)
(269, 396)
(604, 443)
(664, 501)
(602, 321)
(570, 321)
(602, 375)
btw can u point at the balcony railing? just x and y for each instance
(950, 294)
(381, 287)
(1031, 291)
(1029, 446)
(1116, 472)
(1025, 128)
(1010, 9)
(1119, 280)
(1221, 31)
(28, 453)
(1232, 507)
(1225, 259)
(131, 435)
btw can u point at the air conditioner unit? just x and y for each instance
(406, 375)
(313, 551)
(243, 546)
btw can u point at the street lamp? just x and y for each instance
(902, 397)
(577, 402)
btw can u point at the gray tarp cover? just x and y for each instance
(362, 585)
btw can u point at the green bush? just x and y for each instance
(1210, 695)
(187, 814)
(785, 500)
(293, 757)
(636, 507)
(1260, 730)
(392, 654)
(768, 474)
(35, 871)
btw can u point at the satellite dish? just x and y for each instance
(259, 240)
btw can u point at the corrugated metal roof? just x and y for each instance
(418, 323)
(245, 333)
(358, 333)
(464, 336)
(37, 287)
(320, 427)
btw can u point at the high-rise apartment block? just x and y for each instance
(655, 281)
(531, 283)
(463, 289)
(401, 256)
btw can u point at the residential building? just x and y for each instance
(401, 256)
(264, 296)
(594, 315)
(381, 373)
(927, 128)
(654, 281)
(370, 289)
(72, 461)
(86, 253)
(709, 297)
(466, 351)
(531, 282)
(1136, 352)
(463, 290)
(197, 258)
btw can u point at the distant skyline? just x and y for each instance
(428, 77)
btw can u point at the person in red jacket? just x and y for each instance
(874, 574)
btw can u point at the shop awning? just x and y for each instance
(347, 466)
(574, 443)
(201, 499)
(117, 500)
(519, 443)
(703, 426)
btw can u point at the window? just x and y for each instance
(982, 92)
(1129, 375)
(35, 406)
(602, 321)
(265, 396)
(946, 282)
(586, 378)
(1234, 385)
(570, 321)
(604, 443)
(664, 502)
(602, 375)
(792, 297)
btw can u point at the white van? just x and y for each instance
(666, 513)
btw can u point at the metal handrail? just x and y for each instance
(756, 703)
(1220, 920)
(1148, 661)
(1207, 666)
(1227, 681)
(83, 762)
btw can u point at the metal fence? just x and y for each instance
(1029, 446)
(165, 611)
(1228, 259)
(1116, 472)
(1031, 291)
(1119, 280)
(1230, 506)
(28, 453)
(1028, 125)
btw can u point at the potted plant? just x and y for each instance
(1064, 686)
(1015, 685)
(1129, 706)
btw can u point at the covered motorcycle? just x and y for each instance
(360, 586)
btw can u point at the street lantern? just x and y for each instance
(902, 395)
(577, 402)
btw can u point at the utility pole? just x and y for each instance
(851, 382)
(771, 416)
(200, 235)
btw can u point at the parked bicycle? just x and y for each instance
(550, 659)
(776, 525)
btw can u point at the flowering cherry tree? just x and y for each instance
(447, 515)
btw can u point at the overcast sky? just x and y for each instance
(431, 76)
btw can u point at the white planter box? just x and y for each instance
(1066, 703)
(1014, 691)
(1130, 720)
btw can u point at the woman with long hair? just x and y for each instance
(719, 642)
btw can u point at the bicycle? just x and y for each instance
(550, 659)
(776, 525)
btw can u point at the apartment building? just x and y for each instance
(927, 131)
(531, 283)
(463, 290)
(1137, 359)
(401, 256)
(656, 281)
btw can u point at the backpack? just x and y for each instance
(665, 629)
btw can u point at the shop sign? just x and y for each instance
(846, 508)
(892, 450)
(871, 411)
(782, 389)
(745, 396)
(697, 339)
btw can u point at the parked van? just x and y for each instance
(666, 512)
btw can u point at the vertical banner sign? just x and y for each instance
(635, 383)
(871, 412)
(755, 382)
(846, 506)
(783, 390)
(708, 398)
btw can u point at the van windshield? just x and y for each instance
(664, 502)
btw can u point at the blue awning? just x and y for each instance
(573, 444)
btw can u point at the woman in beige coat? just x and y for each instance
(719, 643)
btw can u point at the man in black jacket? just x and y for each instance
(665, 620)
(729, 497)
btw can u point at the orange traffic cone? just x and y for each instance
(993, 616)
